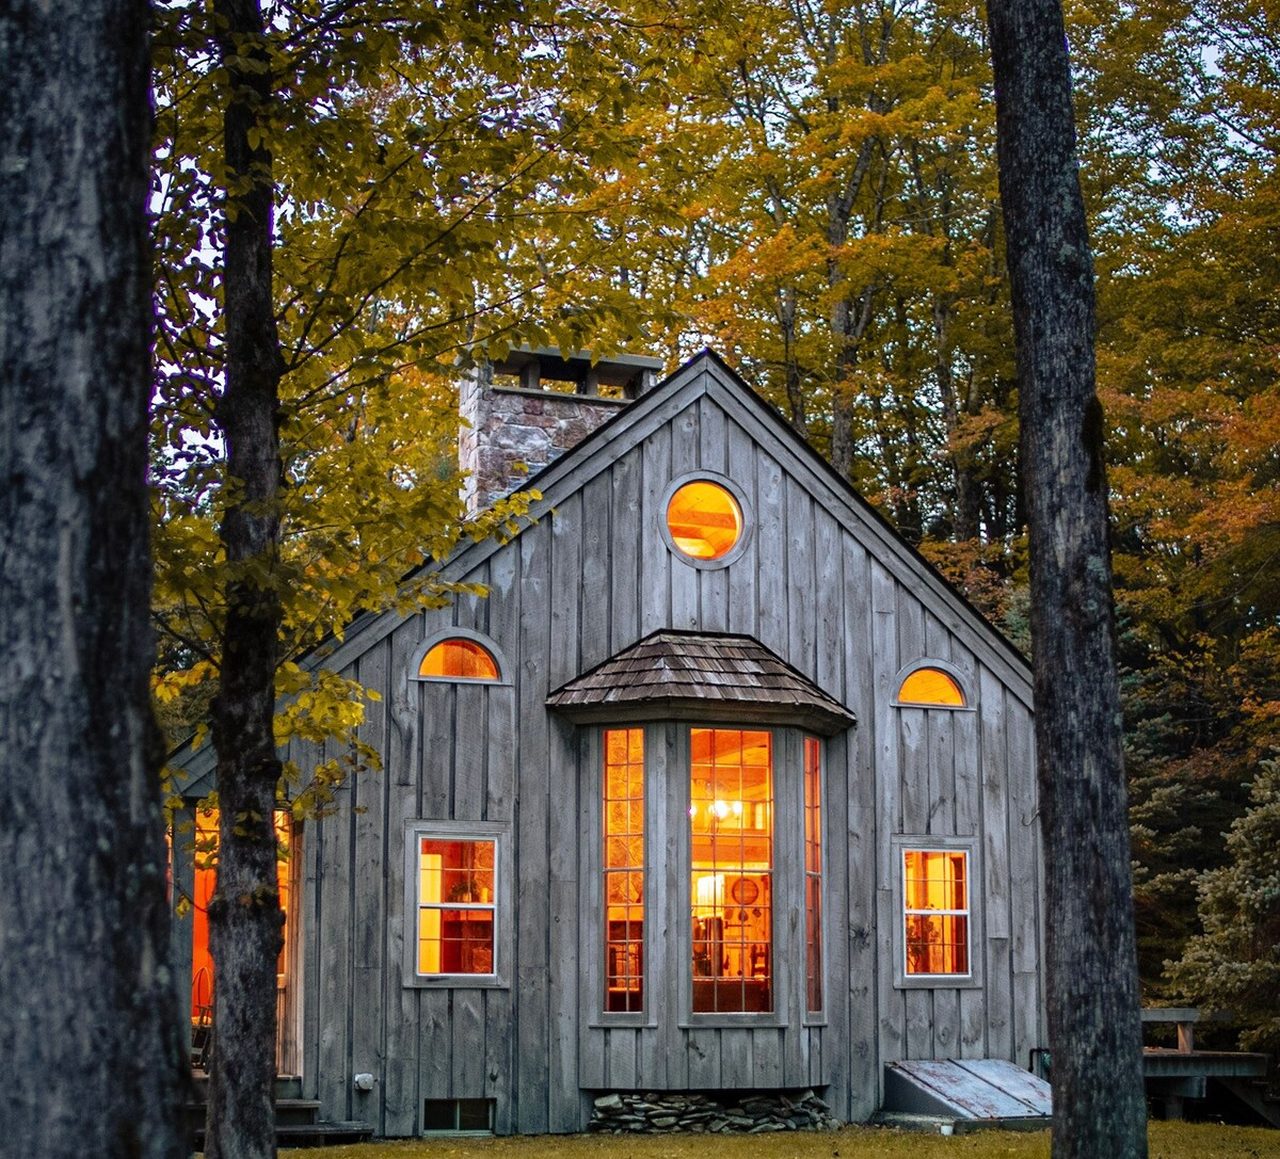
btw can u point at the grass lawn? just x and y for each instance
(1168, 1141)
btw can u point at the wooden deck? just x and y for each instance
(1176, 1074)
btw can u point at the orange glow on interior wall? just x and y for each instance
(936, 897)
(705, 520)
(624, 869)
(456, 905)
(931, 686)
(459, 659)
(731, 879)
(206, 860)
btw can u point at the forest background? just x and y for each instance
(810, 188)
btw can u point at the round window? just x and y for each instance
(705, 520)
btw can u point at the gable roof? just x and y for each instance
(708, 374)
(687, 675)
(704, 374)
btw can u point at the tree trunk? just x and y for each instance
(89, 1018)
(245, 919)
(1094, 1028)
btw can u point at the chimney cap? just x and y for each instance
(621, 370)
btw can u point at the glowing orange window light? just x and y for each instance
(459, 659)
(455, 906)
(813, 873)
(731, 870)
(936, 909)
(206, 874)
(624, 869)
(705, 520)
(929, 686)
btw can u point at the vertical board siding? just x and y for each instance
(334, 931)
(565, 594)
(771, 558)
(802, 580)
(1024, 865)
(531, 833)
(588, 580)
(373, 857)
(402, 760)
(855, 849)
(995, 868)
(623, 552)
(655, 559)
(744, 573)
(597, 605)
(682, 578)
(713, 455)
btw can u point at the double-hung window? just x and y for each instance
(935, 893)
(457, 888)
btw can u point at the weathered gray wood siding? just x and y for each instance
(817, 586)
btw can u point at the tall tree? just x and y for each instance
(245, 920)
(89, 1024)
(346, 217)
(1092, 985)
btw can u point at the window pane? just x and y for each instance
(731, 879)
(931, 686)
(937, 944)
(455, 906)
(623, 861)
(813, 873)
(704, 520)
(935, 893)
(460, 659)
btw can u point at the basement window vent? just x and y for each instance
(457, 1116)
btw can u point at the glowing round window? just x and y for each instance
(459, 659)
(705, 520)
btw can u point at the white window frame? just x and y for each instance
(499, 835)
(902, 845)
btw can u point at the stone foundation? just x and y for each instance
(749, 1113)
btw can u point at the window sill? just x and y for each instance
(457, 982)
(937, 982)
(602, 1020)
(726, 1021)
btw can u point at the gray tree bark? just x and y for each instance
(1094, 1028)
(245, 920)
(89, 1016)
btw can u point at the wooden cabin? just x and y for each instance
(721, 789)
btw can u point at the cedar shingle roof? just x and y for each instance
(686, 675)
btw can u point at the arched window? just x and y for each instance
(931, 687)
(458, 658)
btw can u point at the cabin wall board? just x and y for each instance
(814, 584)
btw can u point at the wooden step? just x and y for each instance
(316, 1134)
(324, 1134)
(289, 1112)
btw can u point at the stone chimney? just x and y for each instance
(533, 406)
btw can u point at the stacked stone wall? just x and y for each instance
(512, 434)
(751, 1113)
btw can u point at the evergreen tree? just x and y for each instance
(1234, 965)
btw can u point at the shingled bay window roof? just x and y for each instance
(692, 676)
